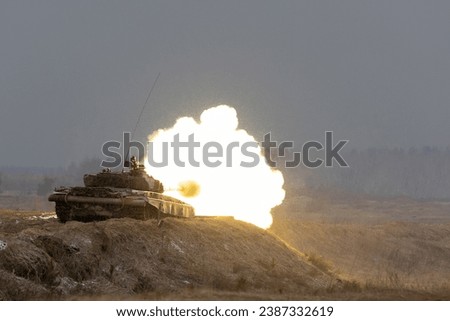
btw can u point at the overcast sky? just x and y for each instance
(74, 74)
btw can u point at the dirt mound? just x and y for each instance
(126, 257)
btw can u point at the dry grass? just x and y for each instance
(378, 246)
(126, 257)
(319, 262)
(352, 250)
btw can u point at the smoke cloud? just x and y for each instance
(227, 188)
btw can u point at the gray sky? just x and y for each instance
(74, 74)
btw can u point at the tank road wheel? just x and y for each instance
(62, 212)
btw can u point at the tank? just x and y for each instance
(129, 193)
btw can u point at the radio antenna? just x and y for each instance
(140, 115)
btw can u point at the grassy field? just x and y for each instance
(395, 244)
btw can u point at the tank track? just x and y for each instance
(63, 212)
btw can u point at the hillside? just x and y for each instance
(317, 248)
(200, 258)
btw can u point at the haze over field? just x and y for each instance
(74, 74)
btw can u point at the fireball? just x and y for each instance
(223, 174)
